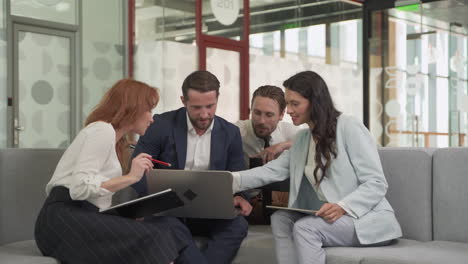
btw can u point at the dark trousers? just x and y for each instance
(224, 237)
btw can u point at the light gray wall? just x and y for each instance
(3, 72)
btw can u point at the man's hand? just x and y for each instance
(330, 212)
(243, 205)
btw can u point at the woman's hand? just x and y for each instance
(273, 152)
(270, 153)
(140, 165)
(330, 212)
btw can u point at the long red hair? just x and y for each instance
(120, 106)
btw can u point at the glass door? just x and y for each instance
(43, 85)
(458, 88)
(418, 75)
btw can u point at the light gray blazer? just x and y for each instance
(355, 177)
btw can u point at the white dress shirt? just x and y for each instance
(90, 160)
(252, 145)
(198, 148)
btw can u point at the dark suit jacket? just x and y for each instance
(166, 140)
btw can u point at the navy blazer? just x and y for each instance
(166, 140)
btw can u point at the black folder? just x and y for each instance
(146, 205)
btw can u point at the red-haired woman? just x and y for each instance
(69, 226)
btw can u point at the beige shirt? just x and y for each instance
(252, 145)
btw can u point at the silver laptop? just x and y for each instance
(206, 194)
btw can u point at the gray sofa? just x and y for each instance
(427, 188)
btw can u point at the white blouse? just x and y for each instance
(309, 171)
(90, 160)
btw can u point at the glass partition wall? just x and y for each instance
(286, 36)
(322, 36)
(418, 75)
(165, 51)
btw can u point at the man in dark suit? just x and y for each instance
(193, 137)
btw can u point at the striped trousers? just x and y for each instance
(75, 232)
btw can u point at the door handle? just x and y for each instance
(19, 128)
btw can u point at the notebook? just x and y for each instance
(147, 205)
(306, 211)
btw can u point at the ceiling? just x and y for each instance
(265, 15)
(450, 15)
(172, 16)
(450, 11)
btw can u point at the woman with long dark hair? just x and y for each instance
(334, 167)
(70, 227)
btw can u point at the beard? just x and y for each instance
(262, 131)
(201, 124)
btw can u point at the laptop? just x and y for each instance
(205, 194)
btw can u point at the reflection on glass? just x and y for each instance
(172, 20)
(62, 11)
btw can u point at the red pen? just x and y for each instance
(153, 160)
(160, 162)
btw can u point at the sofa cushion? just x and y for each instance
(409, 175)
(24, 174)
(356, 255)
(450, 198)
(433, 252)
(24, 252)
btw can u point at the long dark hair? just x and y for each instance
(323, 115)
